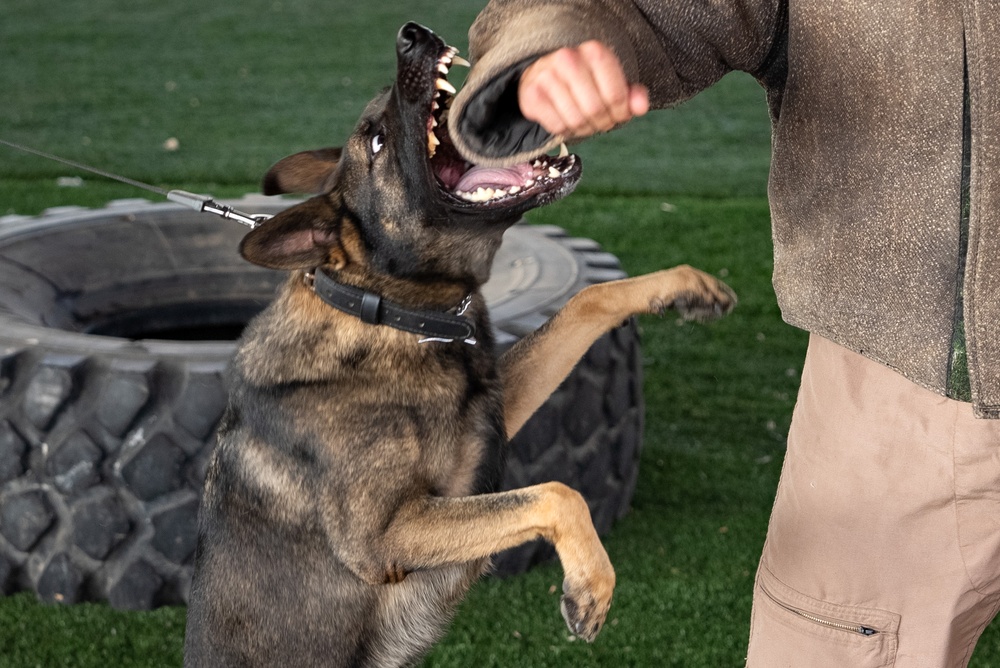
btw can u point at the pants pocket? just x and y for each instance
(791, 629)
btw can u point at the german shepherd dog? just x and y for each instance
(353, 497)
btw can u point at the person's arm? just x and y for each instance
(671, 48)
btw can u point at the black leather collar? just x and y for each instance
(372, 309)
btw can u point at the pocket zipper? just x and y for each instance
(860, 629)
(843, 626)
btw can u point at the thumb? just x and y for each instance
(638, 99)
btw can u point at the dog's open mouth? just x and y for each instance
(471, 184)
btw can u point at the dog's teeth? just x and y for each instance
(459, 60)
(554, 173)
(537, 164)
(563, 151)
(434, 122)
(442, 84)
(514, 190)
(529, 183)
(442, 68)
(499, 192)
(481, 194)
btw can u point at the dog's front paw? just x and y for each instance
(694, 294)
(585, 607)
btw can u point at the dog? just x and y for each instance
(354, 494)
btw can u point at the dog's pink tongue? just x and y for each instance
(494, 177)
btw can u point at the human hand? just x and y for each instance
(579, 91)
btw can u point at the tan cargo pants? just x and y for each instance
(884, 542)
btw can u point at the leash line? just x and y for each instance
(86, 168)
(191, 200)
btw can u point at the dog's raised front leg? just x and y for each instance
(533, 368)
(437, 531)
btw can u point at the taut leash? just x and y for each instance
(203, 203)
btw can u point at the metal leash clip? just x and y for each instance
(208, 205)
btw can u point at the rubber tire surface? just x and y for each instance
(104, 439)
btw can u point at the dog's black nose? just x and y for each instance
(410, 35)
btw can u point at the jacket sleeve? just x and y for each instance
(674, 47)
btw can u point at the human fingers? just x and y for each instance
(578, 91)
(534, 97)
(557, 92)
(611, 106)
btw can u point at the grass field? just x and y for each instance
(240, 84)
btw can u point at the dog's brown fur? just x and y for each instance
(353, 496)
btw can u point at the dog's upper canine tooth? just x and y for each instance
(442, 84)
(563, 151)
(459, 60)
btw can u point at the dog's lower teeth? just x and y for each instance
(554, 173)
(486, 194)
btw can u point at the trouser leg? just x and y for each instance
(884, 542)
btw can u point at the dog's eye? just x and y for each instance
(376, 144)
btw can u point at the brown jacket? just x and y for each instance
(866, 186)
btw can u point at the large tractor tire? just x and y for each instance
(116, 326)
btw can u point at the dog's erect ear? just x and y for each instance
(302, 237)
(306, 172)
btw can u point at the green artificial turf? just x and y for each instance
(241, 84)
